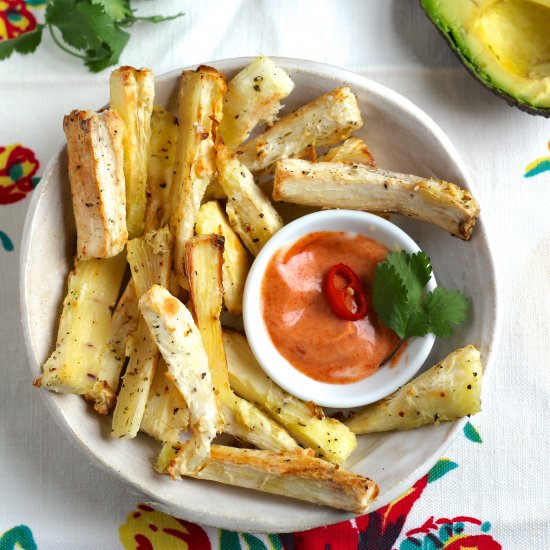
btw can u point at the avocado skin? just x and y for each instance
(479, 74)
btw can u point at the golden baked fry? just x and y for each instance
(328, 119)
(174, 331)
(289, 474)
(448, 391)
(204, 258)
(357, 187)
(149, 258)
(132, 95)
(253, 97)
(95, 156)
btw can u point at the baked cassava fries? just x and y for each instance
(132, 94)
(289, 474)
(194, 191)
(236, 264)
(96, 173)
(249, 210)
(166, 414)
(448, 391)
(178, 339)
(75, 363)
(164, 137)
(203, 260)
(200, 105)
(358, 187)
(150, 259)
(124, 321)
(325, 121)
(253, 97)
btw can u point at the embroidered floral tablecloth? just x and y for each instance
(491, 488)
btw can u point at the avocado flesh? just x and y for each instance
(504, 43)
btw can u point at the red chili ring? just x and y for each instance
(341, 300)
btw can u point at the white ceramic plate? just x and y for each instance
(403, 139)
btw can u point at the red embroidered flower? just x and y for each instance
(15, 19)
(18, 167)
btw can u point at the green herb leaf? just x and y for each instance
(415, 271)
(107, 54)
(25, 43)
(389, 297)
(397, 290)
(92, 30)
(116, 9)
(445, 308)
(82, 25)
(129, 21)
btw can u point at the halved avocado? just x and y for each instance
(505, 44)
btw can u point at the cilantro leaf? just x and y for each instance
(24, 43)
(397, 297)
(92, 30)
(116, 9)
(389, 298)
(109, 52)
(414, 269)
(445, 308)
(82, 25)
(418, 323)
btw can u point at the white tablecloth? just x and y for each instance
(494, 483)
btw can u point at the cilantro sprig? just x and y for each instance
(92, 30)
(400, 303)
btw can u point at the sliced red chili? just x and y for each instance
(349, 301)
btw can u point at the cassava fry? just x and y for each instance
(449, 390)
(289, 474)
(253, 97)
(132, 94)
(337, 185)
(204, 258)
(74, 365)
(149, 258)
(96, 173)
(352, 151)
(200, 104)
(166, 413)
(179, 340)
(325, 121)
(249, 210)
(164, 136)
(236, 264)
(123, 322)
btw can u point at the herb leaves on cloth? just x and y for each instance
(92, 30)
(400, 304)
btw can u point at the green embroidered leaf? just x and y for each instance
(229, 540)
(253, 542)
(471, 433)
(442, 467)
(275, 542)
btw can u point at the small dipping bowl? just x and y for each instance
(390, 375)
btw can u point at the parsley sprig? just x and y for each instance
(400, 303)
(92, 30)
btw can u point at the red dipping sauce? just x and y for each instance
(298, 316)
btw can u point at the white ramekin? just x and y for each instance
(390, 375)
